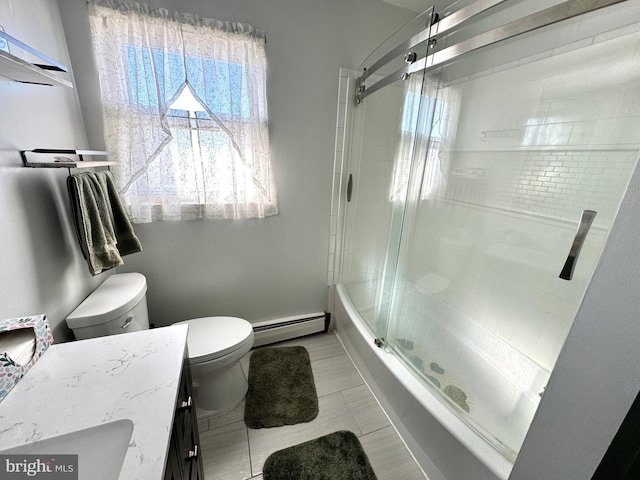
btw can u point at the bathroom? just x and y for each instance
(277, 266)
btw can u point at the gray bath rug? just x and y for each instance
(281, 388)
(337, 456)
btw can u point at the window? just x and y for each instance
(184, 107)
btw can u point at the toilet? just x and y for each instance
(118, 305)
(215, 344)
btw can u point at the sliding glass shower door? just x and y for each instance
(383, 141)
(530, 152)
(482, 192)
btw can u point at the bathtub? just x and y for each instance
(444, 446)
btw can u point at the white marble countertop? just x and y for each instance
(82, 384)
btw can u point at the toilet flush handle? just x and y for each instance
(126, 323)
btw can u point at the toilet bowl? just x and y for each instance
(216, 345)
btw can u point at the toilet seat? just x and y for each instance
(210, 338)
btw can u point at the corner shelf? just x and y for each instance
(19, 70)
(65, 162)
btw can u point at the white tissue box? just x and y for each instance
(22, 342)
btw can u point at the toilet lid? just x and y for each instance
(214, 337)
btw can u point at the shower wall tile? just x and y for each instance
(572, 46)
(334, 224)
(554, 184)
(629, 103)
(505, 66)
(616, 33)
(343, 93)
(535, 57)
(519, 216)
(575, 109)
(583, 132)
(342, 110)
(339, 146)
(339, 173)
(332, 301)
(618, 131)
(550, 134)
(332, 244)
(330, 272)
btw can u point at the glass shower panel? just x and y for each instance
(516, 152)
(382, 143)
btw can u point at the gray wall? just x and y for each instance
(257, 269)
(42, 268)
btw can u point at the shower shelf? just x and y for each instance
(66, 162)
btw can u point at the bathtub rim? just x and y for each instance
(491, 458)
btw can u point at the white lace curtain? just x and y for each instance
(181, 162)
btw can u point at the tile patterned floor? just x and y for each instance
(231, 451)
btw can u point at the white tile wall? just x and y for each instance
(553, 183)
(339, 167)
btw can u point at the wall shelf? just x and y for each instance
(19, 70)
(56, 158)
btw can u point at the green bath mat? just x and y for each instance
(337, 456)
(281, 388)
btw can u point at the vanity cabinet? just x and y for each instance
(134, 378)
(183, 458)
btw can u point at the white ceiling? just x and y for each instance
(420, 6)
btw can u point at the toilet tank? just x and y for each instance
(118, 305)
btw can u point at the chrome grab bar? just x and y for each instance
(583, 228)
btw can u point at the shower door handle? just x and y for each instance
(583, 228)
(349, 187)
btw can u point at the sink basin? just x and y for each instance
(100, 449)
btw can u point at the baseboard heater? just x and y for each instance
(286, 328)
